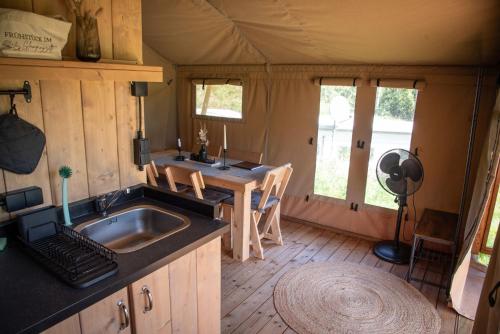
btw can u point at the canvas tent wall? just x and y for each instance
(281, 115)
(252, 40)
(390, 32)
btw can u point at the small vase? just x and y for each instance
(202, 155)
(88, 47)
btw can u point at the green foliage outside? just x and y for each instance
(330, 180)
(484, 259)
(393, 103)
(375, 195)
(220, 97)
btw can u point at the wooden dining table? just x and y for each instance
(241, 181)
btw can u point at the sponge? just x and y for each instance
(3, 243)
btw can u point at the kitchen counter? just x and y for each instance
(33, 299)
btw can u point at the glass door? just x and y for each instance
(392, 128)
(335, 127)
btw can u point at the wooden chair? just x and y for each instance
(155, 180)
(255, 157)
(152, 174)
(178, 175)
(267, 198)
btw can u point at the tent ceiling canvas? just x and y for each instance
(412, 32)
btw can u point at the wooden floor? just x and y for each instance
(247, 288)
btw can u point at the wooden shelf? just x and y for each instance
(37, 69)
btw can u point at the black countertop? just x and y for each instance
(33, 299)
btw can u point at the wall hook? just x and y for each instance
(26, 91)
(360, 144)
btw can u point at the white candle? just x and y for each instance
(179, 143)
(225, 139)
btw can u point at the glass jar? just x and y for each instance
(88, 47)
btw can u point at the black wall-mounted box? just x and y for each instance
(141, 152)
(21, 199)
(139, 88)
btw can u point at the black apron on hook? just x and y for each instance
(21, 143)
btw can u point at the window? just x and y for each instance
(221, 100)
(335, 125)
(392, 128)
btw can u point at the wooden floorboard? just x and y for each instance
(247, 288)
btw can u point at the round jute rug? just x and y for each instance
(352, 298)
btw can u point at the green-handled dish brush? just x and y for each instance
(65, 172)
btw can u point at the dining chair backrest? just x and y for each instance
(275, 179)
(151, 175)
(185, 176)
(255, 157)
(153, 167)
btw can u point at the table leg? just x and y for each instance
(241, 233)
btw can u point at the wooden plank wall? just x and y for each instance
(89, 125)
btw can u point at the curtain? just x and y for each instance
(488, 315)
(482, 191)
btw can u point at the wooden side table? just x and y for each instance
(437, 227)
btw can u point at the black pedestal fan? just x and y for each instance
(401, 174)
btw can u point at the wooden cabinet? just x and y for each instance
(110, 315)
(184, 294)
(68, 326)
(208, 286)
(182, 297)
(150, 303)
(195, 290)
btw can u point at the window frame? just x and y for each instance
(364, 113)
(364, 204)
(219, 118)
(326, 198)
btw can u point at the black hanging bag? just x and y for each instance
(21, 143)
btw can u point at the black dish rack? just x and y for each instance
(74, 258)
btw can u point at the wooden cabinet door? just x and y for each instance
(208, 286)
(183, 294)
(68, 326)
(110, 315)
(150, 302)
(195, 290)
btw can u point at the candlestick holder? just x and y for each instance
(179, 157)
(224, 167)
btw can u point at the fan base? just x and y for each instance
(390, 252)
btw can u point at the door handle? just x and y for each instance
(149, 305)
(123, 308)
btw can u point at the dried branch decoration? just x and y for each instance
(202, 135)
(76, 7)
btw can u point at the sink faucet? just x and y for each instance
(103, 203)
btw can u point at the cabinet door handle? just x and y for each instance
(149, 306)
(126, 316)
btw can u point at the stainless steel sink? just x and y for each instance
(133, 228)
